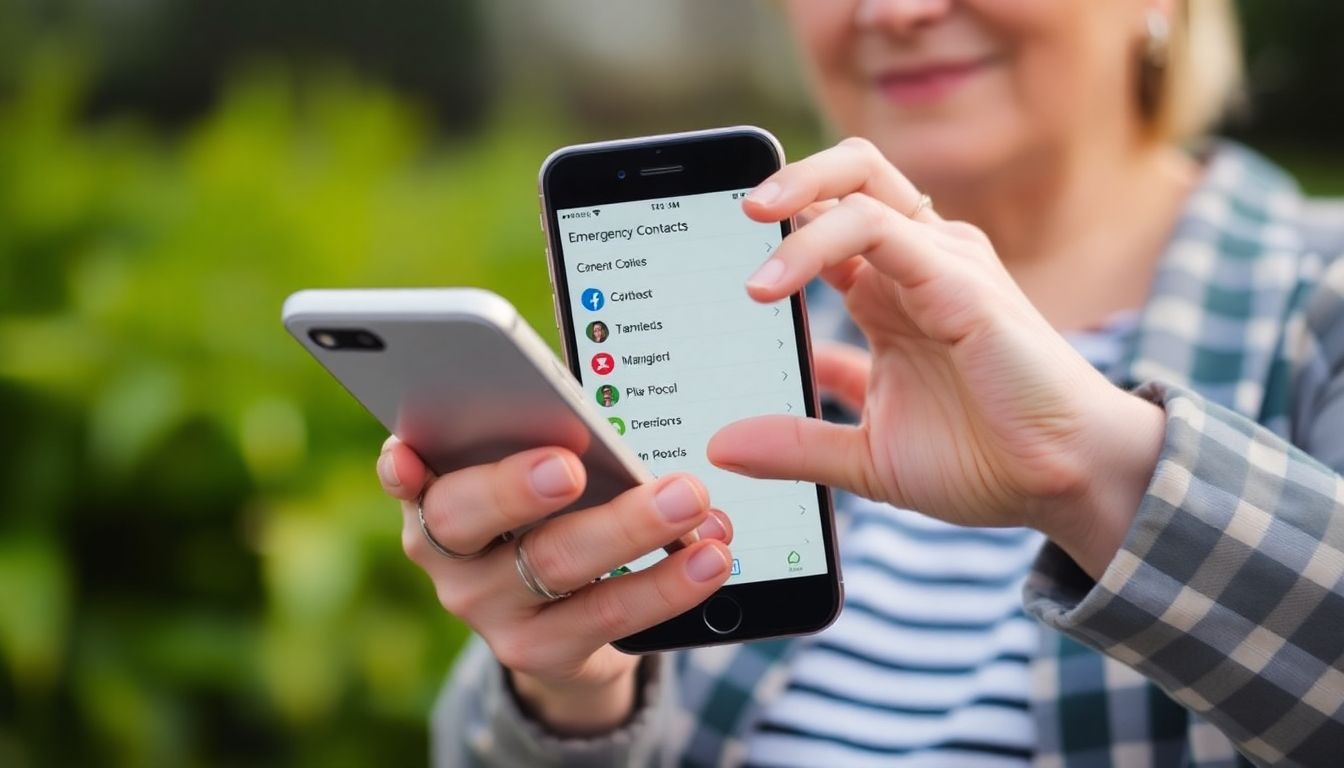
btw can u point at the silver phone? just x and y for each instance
(461, 378)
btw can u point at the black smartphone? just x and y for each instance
(649, 252)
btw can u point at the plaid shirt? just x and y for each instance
(1216, 635)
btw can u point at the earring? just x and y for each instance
(1153, 61)
(1157, 38)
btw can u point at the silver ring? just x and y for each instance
(925, 203)
(534, 584)
(446, 552)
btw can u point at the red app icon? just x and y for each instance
(603, 364)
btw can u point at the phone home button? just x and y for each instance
(722, 614)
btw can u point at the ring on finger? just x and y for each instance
(925, 203)
(530, 579)
(445, 551)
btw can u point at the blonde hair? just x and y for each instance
(1202, 79)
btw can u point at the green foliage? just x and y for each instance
(196, 565)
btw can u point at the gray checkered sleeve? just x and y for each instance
(477, 722)
(1229, 589)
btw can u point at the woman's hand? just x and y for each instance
(974, 409)
(558, 653)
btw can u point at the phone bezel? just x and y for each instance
(711, 161)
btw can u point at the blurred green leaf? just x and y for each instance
(34, 611)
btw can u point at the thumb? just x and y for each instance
(793, 448)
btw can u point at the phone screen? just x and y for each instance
(671, 348)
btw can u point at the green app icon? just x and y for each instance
(618, 423)
(794, 557)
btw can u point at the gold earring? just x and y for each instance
(1153, 61)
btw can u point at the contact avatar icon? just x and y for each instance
(607, 395)
(597, 332)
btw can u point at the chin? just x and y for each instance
(966, 136)
(940, 154)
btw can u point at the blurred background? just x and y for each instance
(196, 565)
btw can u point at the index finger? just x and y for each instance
(853, 165)
(467, 508)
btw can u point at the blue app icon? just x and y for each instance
(593, 299)
(737, 568)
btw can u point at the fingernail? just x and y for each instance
(552, 477)
(387, 470)
(677, 501)
(764, 194)
(706, 564)
(712, 528)
(768, 274)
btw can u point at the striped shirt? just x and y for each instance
(928, 663)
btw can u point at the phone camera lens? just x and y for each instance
(346, 339)
(621, 174)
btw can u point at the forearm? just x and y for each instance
(1227, 591)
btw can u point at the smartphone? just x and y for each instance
(649, 252)
(461, 378)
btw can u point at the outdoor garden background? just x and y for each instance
(196, 565)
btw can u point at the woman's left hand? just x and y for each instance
(975, 410)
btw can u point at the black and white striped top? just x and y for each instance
(928, 665)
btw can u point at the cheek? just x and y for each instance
(1043, 85)
(824, 38)
(1075, 82)
(1073, 59)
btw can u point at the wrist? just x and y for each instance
(1091, 524)
(577, 709)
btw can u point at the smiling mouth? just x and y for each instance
(928, 83)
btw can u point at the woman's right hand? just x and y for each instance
(563, 666)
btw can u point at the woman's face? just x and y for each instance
(952, 90)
